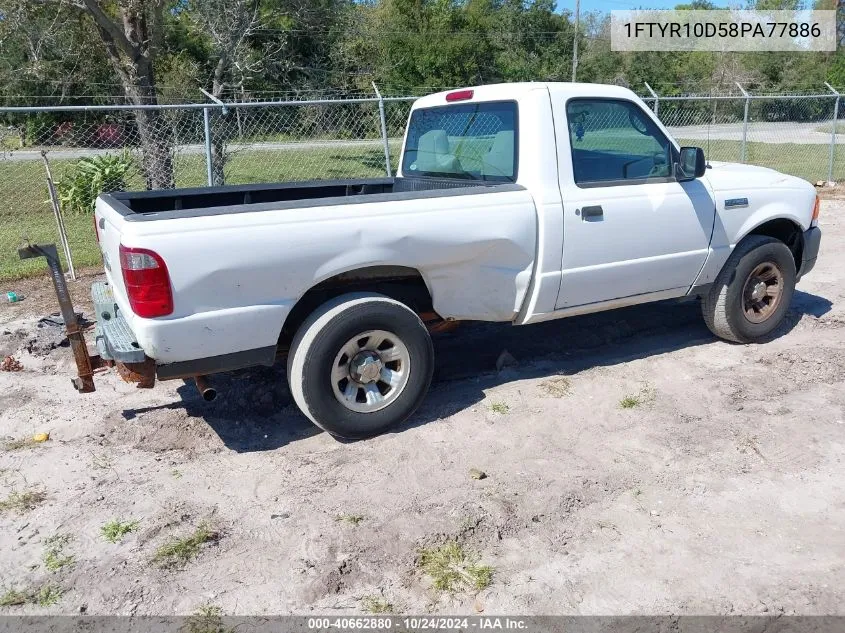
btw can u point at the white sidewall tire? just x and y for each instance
(315, 341)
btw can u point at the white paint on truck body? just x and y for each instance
(521, 255)
(237, 276)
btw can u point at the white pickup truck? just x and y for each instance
(517, 202)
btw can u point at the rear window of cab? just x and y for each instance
(470, 141)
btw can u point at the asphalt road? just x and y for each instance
(758, 132)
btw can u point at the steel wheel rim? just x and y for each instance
(370, 371)
(762, 292)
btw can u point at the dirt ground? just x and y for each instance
(633, 463)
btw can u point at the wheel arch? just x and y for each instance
(402, 283)
(786, 230)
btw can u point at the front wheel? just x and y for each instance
(360, 364)
(752, 293)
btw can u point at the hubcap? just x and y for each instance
(762, 292)
(365, 367)
(370, 371)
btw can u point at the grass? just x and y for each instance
(179, 551)
(13, 598)
(806, 161)
(500, 408)
(207, 619)
(352, 519)
(376, 605)
(48, 594)
(21, 502)
(16, 445)
(25, 210)
(26, 442)
(451, 568)
(630, 402)
(44, 596)
(54, 555)
(115, 530)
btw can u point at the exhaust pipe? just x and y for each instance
(208, 393)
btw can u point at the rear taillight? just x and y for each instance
(147, 282)
(815, 220)
(96, 230)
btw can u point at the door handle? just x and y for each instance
(592, 212)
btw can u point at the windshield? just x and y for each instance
(475, 141)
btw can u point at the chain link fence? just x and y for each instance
(794, 134)
(198, 145)
(179, 146)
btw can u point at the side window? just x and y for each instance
(614, 141)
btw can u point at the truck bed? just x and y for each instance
(182, 203)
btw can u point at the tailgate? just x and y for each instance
(109, 225)
(113, 335)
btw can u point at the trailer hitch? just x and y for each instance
(86, 363)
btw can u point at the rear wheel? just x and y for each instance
(360, 364)
(752, 293)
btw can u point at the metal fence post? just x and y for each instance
(207, 126)
(209, 154)
(832, 133)
(383, 131)
(743, 151)
(656, 99)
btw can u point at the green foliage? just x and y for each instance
(44, 596)
(178, 551)
(54, 555)
(21, 502)
(630, 402)
(500, 407)
(442, 43)
(48, 594)
(13, 598)
(115, 530)
(352, 519)
(376, 605)
(207, 619)
(91, 176)
(54, 51)
(451, 568)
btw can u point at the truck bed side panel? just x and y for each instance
(235, 277)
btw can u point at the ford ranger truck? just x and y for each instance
(517, 202)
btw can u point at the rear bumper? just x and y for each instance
(117, 342)
(812, 240)
(112, 334)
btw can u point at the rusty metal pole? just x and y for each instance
(85, 365)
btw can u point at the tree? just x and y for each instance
(130, 31)
(126, 33)
(228, 25)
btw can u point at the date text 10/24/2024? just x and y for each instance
(388, 623)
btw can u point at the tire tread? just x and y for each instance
(714, 304)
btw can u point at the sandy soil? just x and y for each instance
(720, 490)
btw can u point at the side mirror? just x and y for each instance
(691, 164)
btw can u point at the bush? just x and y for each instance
(91, 176)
